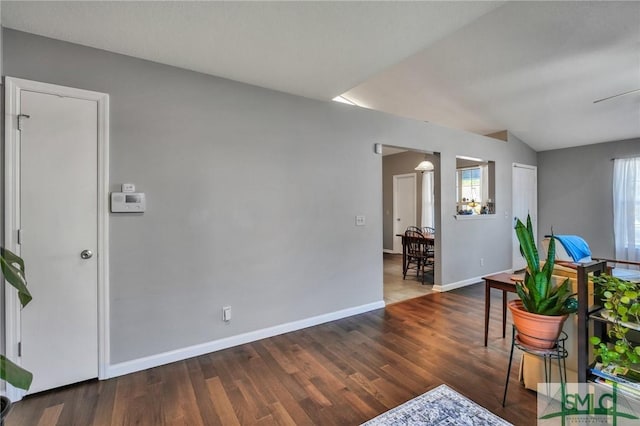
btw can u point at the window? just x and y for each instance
(626, 208)
(475, 186)
(469, 184)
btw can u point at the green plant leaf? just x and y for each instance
(548, 306)
(524, 297)
(12, 373)
(12, 267)
(559, 301)
(595, 340)
(563, 289)
(547, 269)
(532, 295)
(542, 288)
(527, 245)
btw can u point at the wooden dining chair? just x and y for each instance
(428, 230)
(430, 233)
(416, 252)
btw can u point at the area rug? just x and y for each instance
(439, 406)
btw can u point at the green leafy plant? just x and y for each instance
(620, 299)
(538, 293)
(12, 267)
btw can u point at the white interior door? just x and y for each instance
(525, 201)
(58, 222)
(404, 206)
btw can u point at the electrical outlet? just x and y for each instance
(360, 220)
(226, 313)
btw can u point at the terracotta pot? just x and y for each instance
(535, 330)
(5, 406)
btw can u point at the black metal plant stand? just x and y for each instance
(557, 352)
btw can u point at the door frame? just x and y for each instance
(13, 88)
(396, 248)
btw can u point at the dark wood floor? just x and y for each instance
(340, 373)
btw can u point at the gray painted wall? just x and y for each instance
(575, 192)
(251, 198)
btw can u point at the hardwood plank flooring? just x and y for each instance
(340, 373)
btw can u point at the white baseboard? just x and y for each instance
(464, 283)
(151, 361)
(390, 251)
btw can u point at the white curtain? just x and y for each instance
(484, 179)
(428, 201)
(626, 208)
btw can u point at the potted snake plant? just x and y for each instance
(543, 306)
(12, 267)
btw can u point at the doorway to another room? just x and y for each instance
(411, 200)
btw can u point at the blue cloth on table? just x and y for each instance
(575, 246)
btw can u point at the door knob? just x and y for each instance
(86, 254)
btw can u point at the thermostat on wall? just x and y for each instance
(127, 202)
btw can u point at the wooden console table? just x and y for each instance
(502, 282)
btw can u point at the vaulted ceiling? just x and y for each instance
(534, 68)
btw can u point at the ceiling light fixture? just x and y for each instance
(425, 166)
